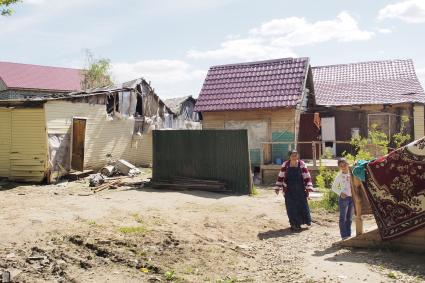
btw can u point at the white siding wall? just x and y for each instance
(103, 134)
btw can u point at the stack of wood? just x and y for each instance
(184, 183)
(108, 184)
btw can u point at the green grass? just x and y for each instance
(132, 230)
(254, 191)
(170, 276)
(392, 275)
(137, 217)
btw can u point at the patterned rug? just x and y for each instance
(396, 190)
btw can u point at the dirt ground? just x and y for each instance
(65, 233)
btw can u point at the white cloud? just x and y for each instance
(384, 30)
(170, 77)
(278, 37)
(409, 11)
(244, 49)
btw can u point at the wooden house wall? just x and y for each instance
(281, 122)
(348, 117)
(419, 119)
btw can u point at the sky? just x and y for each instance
(172, 43)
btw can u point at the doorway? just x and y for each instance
(78, 139)
(328, 136)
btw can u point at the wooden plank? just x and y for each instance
(414, 241)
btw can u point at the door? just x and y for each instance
(78, 138)
(328, 135)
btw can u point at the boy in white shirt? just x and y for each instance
(342, 187)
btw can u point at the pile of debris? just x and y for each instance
(184, 183)
(105, 178)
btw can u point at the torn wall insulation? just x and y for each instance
(59, 155)
(257, 131)
(168, 123)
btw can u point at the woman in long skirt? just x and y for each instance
(295, 182)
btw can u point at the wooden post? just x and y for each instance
(356, 187)
(313, 147)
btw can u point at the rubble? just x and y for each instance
(126, 168)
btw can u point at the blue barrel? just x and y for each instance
(279, 161)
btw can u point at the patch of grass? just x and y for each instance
(190, 270)
(137, 217)
(229, 279)
(254, 191)
(132, 230)
(322, 205)
(170, 276)
(93, 223)
(392, 275)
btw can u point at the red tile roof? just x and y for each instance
(25, 76)
(254, 85)
(376, 82)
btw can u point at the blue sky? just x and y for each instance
(172, 43)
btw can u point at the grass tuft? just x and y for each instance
(133, 230)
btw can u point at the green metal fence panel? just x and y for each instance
(205, 154)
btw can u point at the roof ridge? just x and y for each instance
(363, 62)
(260, 62)
(44, 66)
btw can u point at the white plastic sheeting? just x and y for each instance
(59, 161)
(257, 131)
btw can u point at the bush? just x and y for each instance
(324, 180)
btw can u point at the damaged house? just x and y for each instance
(43, 139)
(184, 116)
(26, 81)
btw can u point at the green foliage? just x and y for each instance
(5, 9)
(324, 180)
(327, 154)
(377, 143)
(96, 73)
(401, 138)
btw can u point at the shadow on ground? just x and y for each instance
(202, 194)
(280, 233)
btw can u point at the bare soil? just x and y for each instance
(65, 233)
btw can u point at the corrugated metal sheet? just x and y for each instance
(5, 141)
(104, 135)
(23, 152)
(207, 154)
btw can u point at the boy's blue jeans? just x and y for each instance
(346, 209)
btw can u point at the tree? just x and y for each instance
(5, 9)
(97, 72)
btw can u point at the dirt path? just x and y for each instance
(62, 233)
